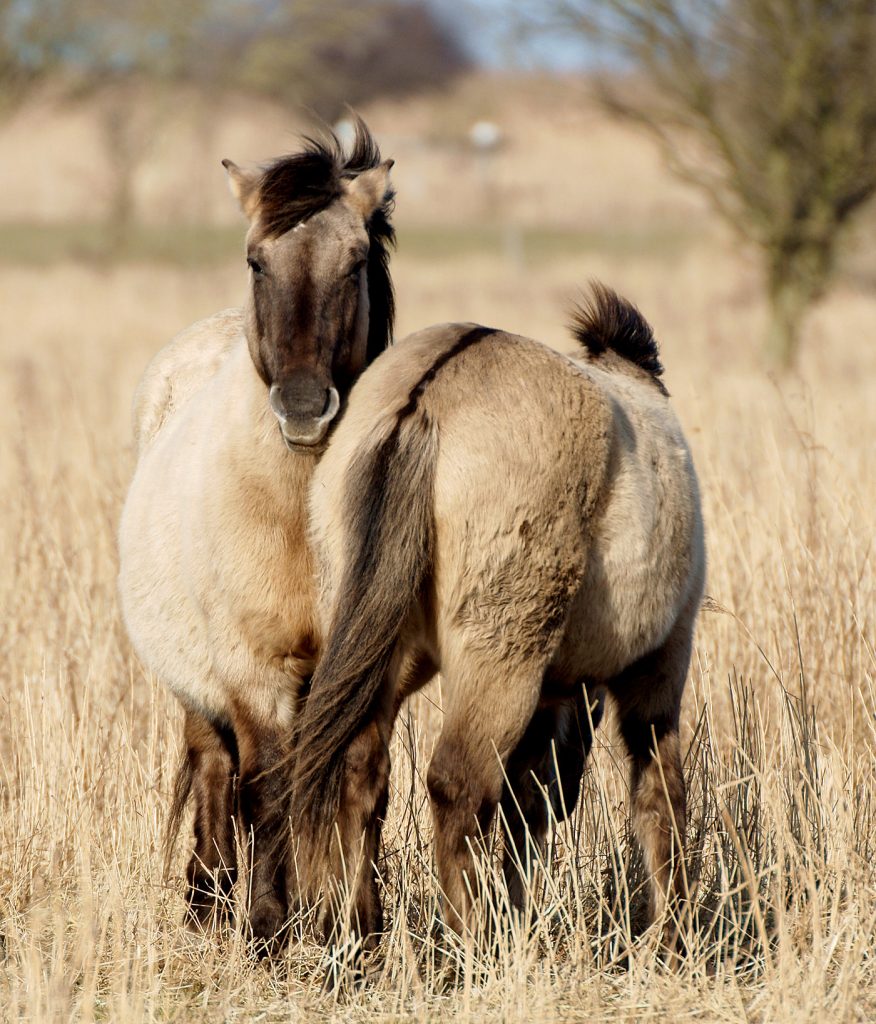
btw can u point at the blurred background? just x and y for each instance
(531, 133)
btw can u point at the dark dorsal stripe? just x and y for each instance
(463, 342)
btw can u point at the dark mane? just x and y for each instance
(296, 187)
(606, 322)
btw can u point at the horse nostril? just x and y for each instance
(275, 400)
(333, 403)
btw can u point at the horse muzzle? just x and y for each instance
(304, 413)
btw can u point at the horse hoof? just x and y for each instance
(345, 969)
(208, 905)
(268, 927)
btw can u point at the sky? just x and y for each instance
(487, 28)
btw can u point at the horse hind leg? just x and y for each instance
(211, 751)
(543, 780)
(487, 714)
(352, 906)
(648, 696)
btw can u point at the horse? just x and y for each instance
(216, 578)
(527, 522)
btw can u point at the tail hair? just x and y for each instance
(605, 321)
(389, 520)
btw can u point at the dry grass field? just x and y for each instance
(780, 705)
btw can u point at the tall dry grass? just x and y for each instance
(779, 719)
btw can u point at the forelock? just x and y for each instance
(293, 188)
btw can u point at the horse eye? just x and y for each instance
(355, 269)
(255, 266)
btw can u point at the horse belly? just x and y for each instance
(618, 615)
(166, 628)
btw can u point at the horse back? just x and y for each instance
(558, 484)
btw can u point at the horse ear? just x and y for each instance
(243, 185)
(368, 190)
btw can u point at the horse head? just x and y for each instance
(321, 302)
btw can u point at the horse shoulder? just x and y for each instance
(179, 369)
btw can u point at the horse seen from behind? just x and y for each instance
(528, 523)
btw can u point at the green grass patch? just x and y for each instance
(35, 245)
(200, 245)
(535, 245)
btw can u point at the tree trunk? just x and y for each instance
(797, 276)
(789, 302)
(120, 214)
(123, 151)
(129, 121)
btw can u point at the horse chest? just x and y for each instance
(259, 619)
(264, 572)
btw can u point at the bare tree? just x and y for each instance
(30, 48)
(324, 54)
(130, 59)
(768, 106)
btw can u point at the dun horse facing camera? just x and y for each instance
(216, 578)
(529, 524)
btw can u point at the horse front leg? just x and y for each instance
(262, 794)
(211, 750)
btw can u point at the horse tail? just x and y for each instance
(606, 321)
(388, 540)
